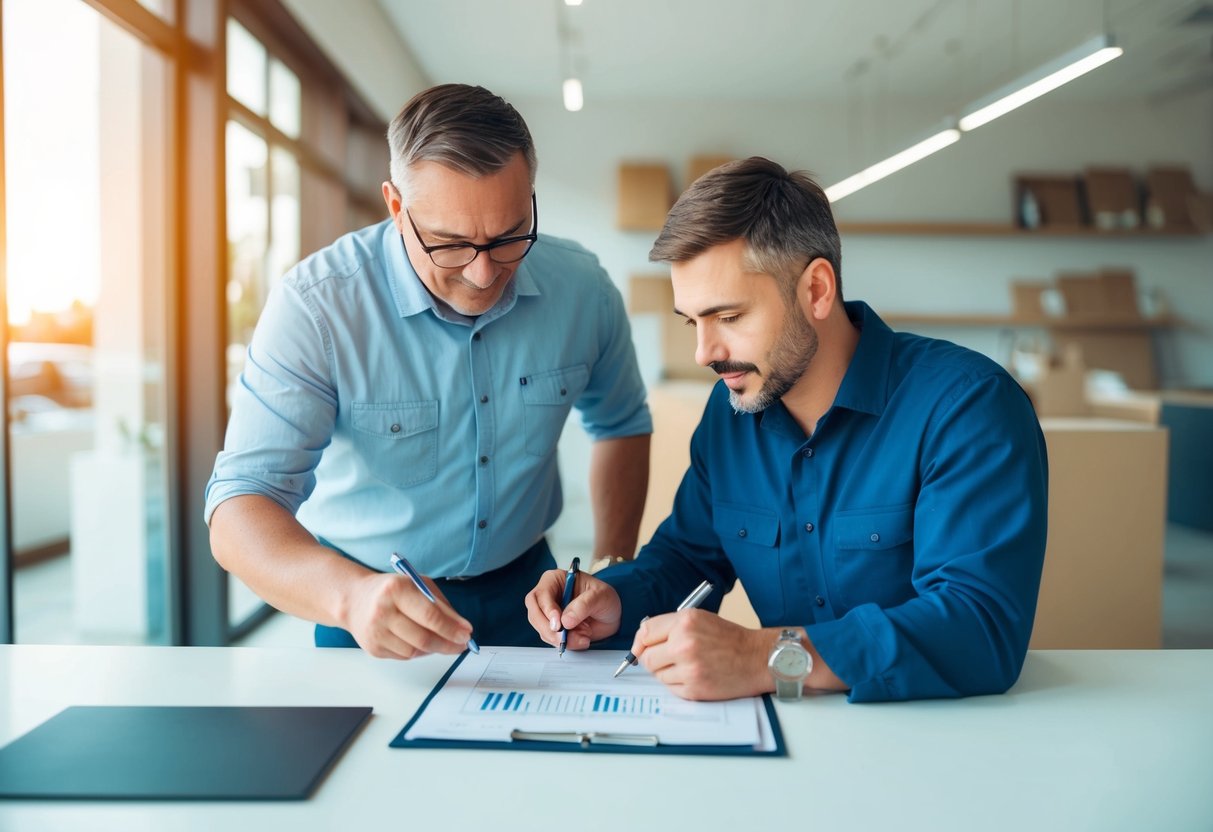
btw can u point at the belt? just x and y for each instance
(536, 550)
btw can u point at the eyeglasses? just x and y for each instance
(504, 250)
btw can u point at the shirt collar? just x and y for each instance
(865, 385)
(412, 298)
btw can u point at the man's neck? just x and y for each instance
(814, 393)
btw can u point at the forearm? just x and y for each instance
(261, 543)
(619, 482)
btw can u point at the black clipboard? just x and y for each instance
(162, 752)
(588, 742)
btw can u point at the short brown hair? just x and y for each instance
(784, 219)
(463, 127)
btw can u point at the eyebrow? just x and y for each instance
(447, 235)
(711, 310)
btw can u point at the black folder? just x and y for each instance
(178, 753)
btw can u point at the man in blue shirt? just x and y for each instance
(883, 493)
(405, 389)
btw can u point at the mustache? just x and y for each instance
(722, 367)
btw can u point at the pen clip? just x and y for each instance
(586, 738)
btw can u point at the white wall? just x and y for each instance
(579, 154)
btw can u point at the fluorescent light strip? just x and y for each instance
(572, 95)
(1092, 54)
(892, 164)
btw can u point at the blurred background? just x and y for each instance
(165, 161)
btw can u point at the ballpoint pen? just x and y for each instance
(692, 601)
(569, 580)
(405, 568)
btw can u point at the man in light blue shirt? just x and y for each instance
(405, 389)
(881, 496)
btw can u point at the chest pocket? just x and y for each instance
(398, 441)
(874, 556)
(750, 537)
(546, 400)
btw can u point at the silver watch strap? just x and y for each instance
(785, 689)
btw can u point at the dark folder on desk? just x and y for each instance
(178, 753)
(589, 742)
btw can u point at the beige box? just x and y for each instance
(645, 196)
(655, 294)
(1102, 581)
(699, 165)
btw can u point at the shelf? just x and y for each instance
(1009, 321)
(992, 229)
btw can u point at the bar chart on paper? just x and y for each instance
(505, 689)
(574, 703)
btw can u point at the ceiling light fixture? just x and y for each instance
(892, 164)
(572, 2)
(1045, 78)
(572, 95)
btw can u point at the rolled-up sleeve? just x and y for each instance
(614, 401)
(284, 406)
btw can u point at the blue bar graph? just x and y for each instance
(568, 703)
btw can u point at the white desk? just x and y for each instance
(1087, 740)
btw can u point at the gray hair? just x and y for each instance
(784, 219)
(463, 127)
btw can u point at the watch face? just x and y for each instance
(790, 663)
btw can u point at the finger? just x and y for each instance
(597, 603)
(543, 605)
(442, 630)
(538, 621)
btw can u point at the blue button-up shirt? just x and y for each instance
(389, 423)
(906, 535)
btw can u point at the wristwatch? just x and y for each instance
(789, 663)
(598, 564)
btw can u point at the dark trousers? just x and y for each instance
(492, 602)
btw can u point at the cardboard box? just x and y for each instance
(1056, 199)
(1112, 198)
(655, 294)
(645, 196)
(1167, 192)
(1060, 388)
(1102, 581)
(699, 165)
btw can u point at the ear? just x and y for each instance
(817, 289)
(395, 204)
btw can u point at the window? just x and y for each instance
(87, 177)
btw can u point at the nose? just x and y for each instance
(708, 347)
(482, 271)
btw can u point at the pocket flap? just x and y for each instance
(881, 529)
(561, 386)
(394, 420)
(745, 524)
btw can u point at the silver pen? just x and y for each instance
(697, 597)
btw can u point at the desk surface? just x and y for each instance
(1101, 740)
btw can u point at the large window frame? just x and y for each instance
(193, 42)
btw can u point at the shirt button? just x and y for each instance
(808, 527)
(875, 537)
(395, 428)
(808, 453)
(476, 336)
(819, 601)
(483, 523)
(741, 532)
(563, 391)
(483, 460)
(484, 399)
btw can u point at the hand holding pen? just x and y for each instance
(405, 568)
(569, 582)
(697, 597)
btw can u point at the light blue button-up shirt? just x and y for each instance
(386, 422)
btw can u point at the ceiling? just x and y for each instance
(941, 50)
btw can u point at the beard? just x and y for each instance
(788, 359)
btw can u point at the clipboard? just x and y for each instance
(589, 742)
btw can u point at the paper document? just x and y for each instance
(532, 689)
